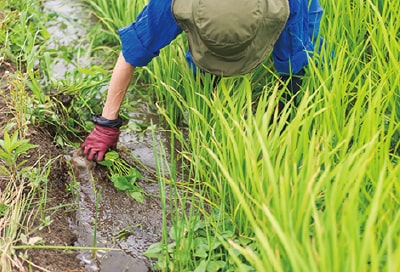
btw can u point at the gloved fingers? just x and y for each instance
(94, 154)
(100, 156)
(91, 154)
(85, 148)
(99, 140)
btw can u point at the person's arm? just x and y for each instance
(141, 41)
(120, 79)
(106, 130)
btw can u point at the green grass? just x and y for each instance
(318, 192)
(313, 190)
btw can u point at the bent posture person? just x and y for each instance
(226, 37)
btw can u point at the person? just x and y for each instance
(225, 38)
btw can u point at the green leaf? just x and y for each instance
(106, 163)
(201, 252)
(172, 233)
(13, 141)
(121, 183)
(172, 247)
(202, 267)
(111, 156)
(174, 230)
(86, 71)
(24, 147)
(154, 251)
(214, 266)
(5, 144)
(200, 224)
(134, 173)
(201, 247)
(138, 196)
(161, 264)
(244, 240)
(5, 156)
(227, 234)
(35, 87)
(215, 244)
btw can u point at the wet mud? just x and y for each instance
(120, 222)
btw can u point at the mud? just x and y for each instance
(120, 222)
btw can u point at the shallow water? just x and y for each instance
(67, 29)
(121, 222)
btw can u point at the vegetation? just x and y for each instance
(315, 189)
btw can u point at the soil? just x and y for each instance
(57, 233)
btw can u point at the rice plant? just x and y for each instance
(315, 189)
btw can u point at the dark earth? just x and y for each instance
(58, 232)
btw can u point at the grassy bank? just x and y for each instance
(34, 106)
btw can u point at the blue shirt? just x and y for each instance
(155, 28)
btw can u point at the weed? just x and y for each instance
(123, 176)
(11, 149)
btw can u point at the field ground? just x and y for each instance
(58, 232)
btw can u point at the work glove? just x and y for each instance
(100, 139)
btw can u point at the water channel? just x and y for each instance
(121, 223)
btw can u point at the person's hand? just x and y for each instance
(99, 141)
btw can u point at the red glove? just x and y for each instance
(99, 140)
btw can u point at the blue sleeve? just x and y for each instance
(154, 28)
(296, 43)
